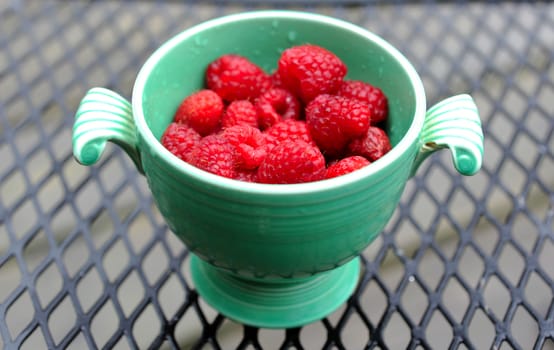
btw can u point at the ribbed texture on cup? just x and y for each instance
(272, 233)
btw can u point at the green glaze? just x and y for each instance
(291, 302)
(104, 115)
(250, 235)
(453, 123)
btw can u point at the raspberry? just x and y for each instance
(373, 145)
(247, 175)
(289, 129)
(292, 162)
(369, 94)
(346, 165)
(308, 113)
(240, 112)
(335, 120)
(249, 145)
(235, 77)
(214, 154)
(275, 105)
(276, 80)
(308, 71)
(201, 111)
(180, 139)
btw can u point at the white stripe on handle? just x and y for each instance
(454, 123)
(104, 115)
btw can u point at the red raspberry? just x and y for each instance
(275, 105)
(308, 71)
(201, 111)
(180, 139)
(235, 77)
(292, 162)
(335, 120)
(289, 129)
(369, 94)
(240, 112)
(346, 165)
(373, 145)
(214, 154)
(249, 145)
(276, 80)
(247, 175)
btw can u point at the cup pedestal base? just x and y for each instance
(283, 303)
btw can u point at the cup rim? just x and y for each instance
(278, 189)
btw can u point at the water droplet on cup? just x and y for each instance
(198, 41)
(274, 26)
(292, 36)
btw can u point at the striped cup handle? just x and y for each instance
(102, 116)
(453, 123)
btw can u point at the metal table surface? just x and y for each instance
(87, 262)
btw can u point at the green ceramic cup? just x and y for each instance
(275, 255)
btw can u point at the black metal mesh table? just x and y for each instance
(87, 262)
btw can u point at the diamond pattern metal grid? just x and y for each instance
(86, 261)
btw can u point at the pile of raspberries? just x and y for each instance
(302, 123)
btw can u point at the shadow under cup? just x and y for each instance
(274, 235)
